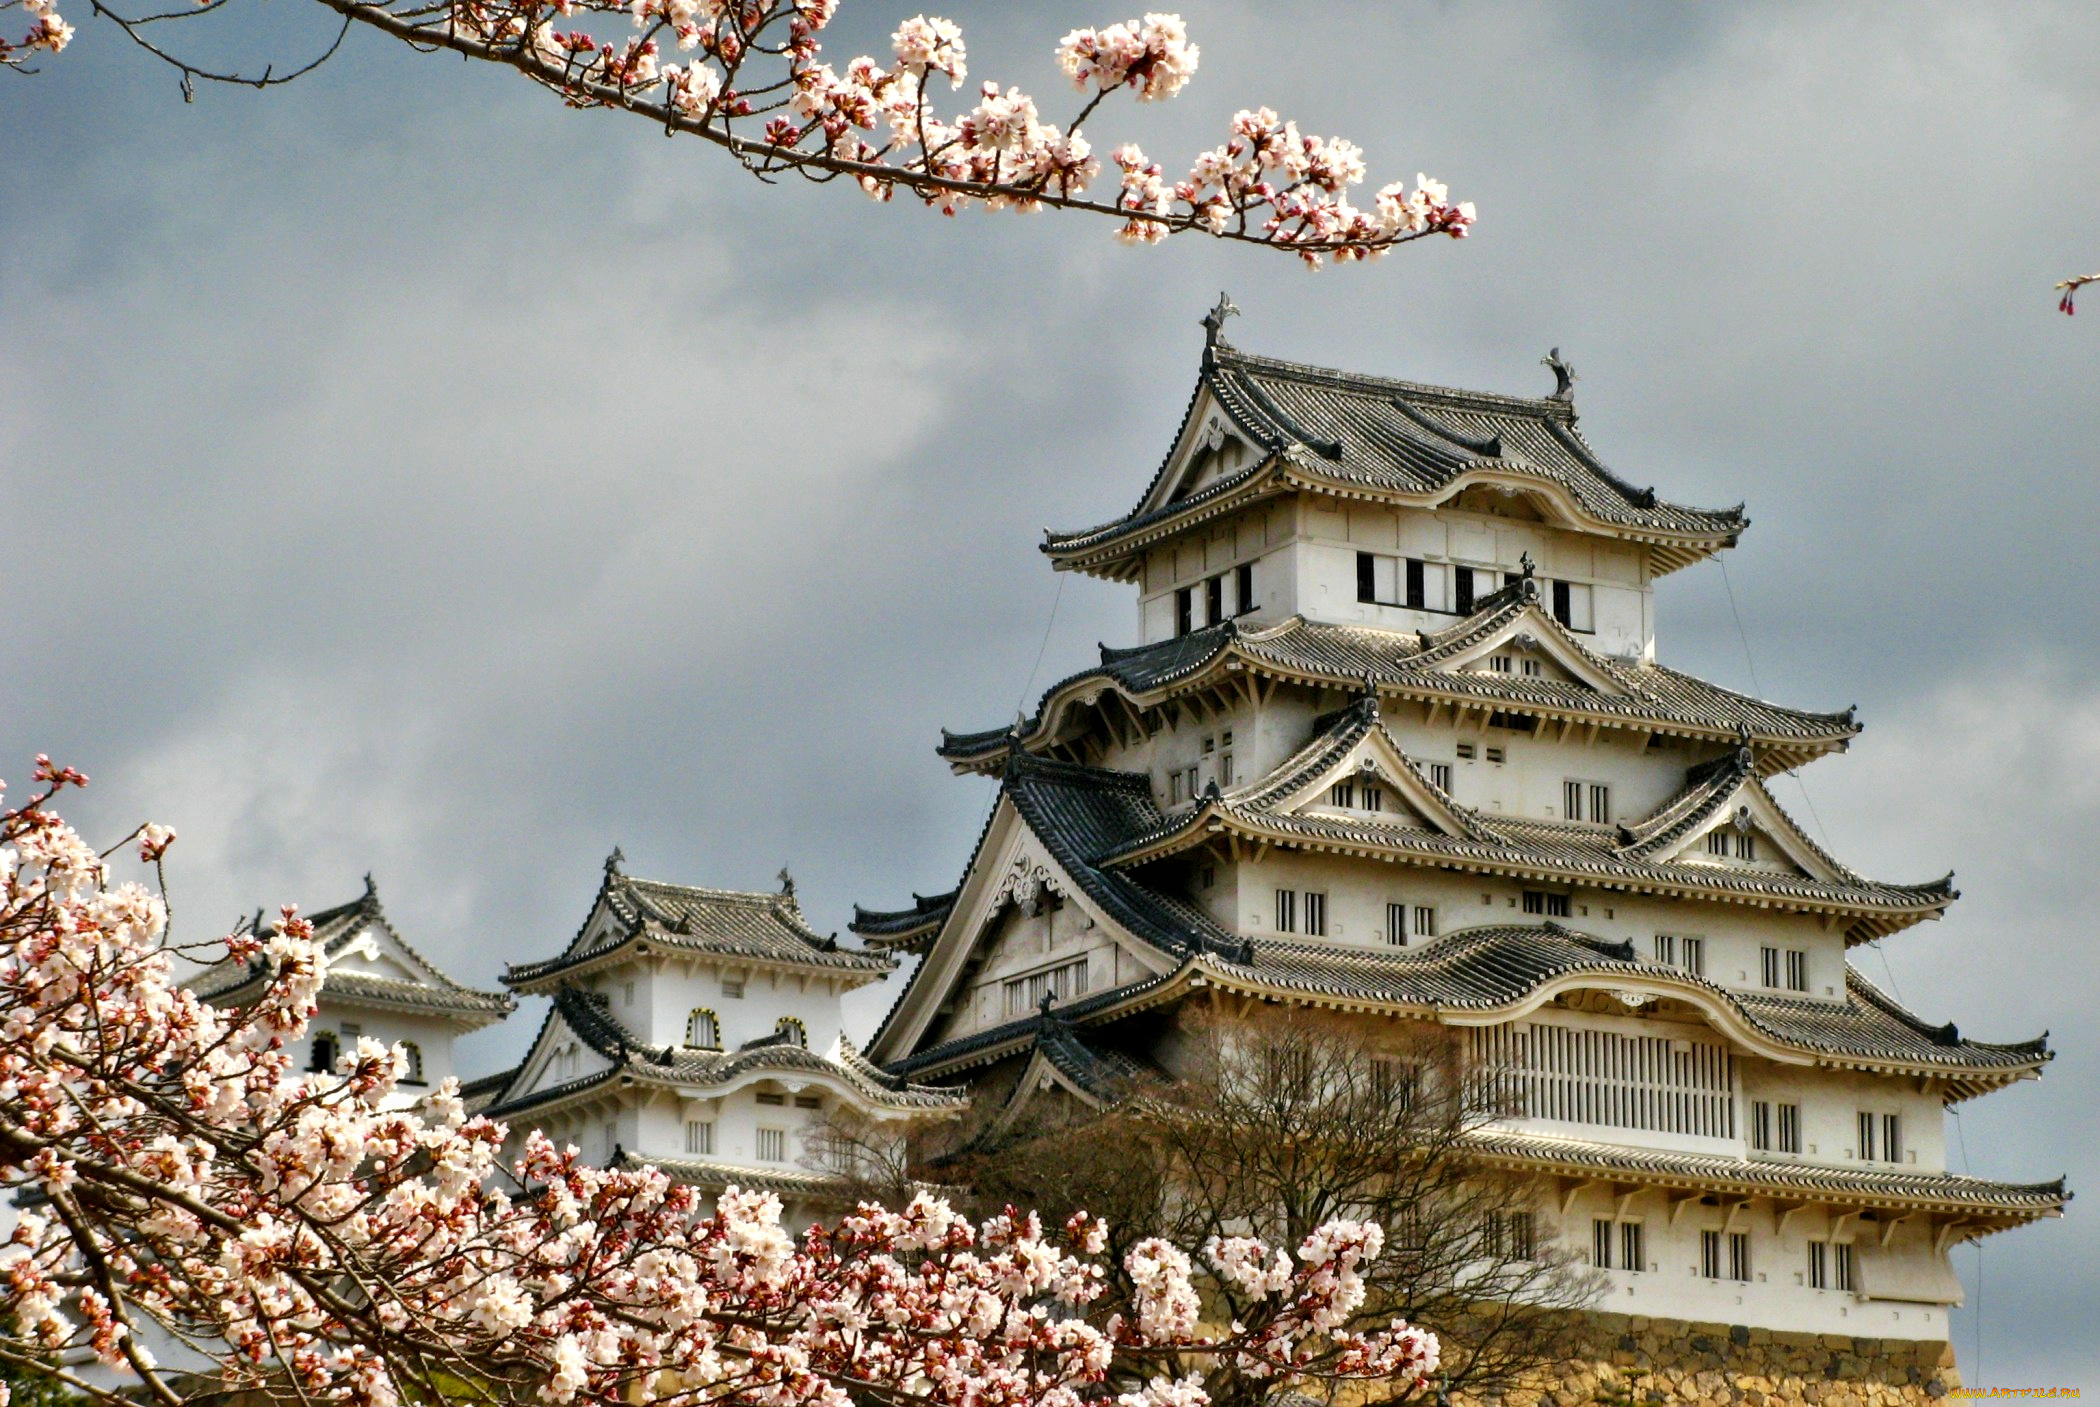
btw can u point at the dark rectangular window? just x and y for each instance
(1425, 921)
(1768, 966)
(1819, 1265)
(1796, 970)
(1633, 1251)
(1440, 775)
(1316, 914)
(1600, 803)
(1396, 924)
(1891, 1139)
(1563, 607)
(1695, 956)
(1214, 600)
(1739, 1255)
(1417, 590)
(1790, 1128)
(1710, 1254)
(1462, 590)
(1866, 1137)
(1550, 905)
(1600, 1242)
(1184, 610)
(1366, 577)
(1571, 800)
(1761, 1125)
(1524, 1236)
(1286, 911)
(1243, 588)
(1842, 1254)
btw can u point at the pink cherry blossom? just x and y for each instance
(753, 82)
(318, 1240)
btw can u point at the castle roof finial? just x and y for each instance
(1564, 377)
(614, 861)
(787, 883)
(1214, 320)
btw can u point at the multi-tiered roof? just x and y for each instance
(1070, 822)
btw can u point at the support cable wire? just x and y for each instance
(1887, 969)
(1021, 707)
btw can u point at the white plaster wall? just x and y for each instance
(1776, 1297)
(667, 987)
(433, 1035)
(1307, 550)
(1359, 889)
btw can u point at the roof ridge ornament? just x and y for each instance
(1564, 378)
(1214, 321)
(787, 884)
(614, 861)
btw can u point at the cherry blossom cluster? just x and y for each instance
(177, 1173)
(46, 32)
(750, 77)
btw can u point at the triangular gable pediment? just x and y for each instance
(1373, 763)
(1776, 843)
(1013, 872)
(1531, 638)
(559, 1056)
(375, 950)
(1213, 446)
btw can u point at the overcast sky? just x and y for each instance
(399, 472)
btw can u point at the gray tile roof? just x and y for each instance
(1485, 969)
(1373, 436)
(1410, 665)
(588, 1014)
(1891, 1189)
(1631, 858)
(231, 983)
(902, 929)
(760, 928)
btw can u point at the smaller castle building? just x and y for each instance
(377, 986)
(699, 1030)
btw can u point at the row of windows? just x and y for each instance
(1585, 801)
(1676, 950)
(328, 1047)
(1787, 966)
(1217, 602)
(1775, 1135)
(703, 1030)
(1060, 983)
(1728, 844)
(1723, 1255)
(1183, 783)
(772, 1142)
(1437, 586)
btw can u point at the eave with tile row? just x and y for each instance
(1617, 859)
(1085, 818)
(1347, 436)
(1213, 669)
(710, 1073)
(760, 931)
(1103, 1078)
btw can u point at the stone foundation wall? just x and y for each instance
(1636, 1361)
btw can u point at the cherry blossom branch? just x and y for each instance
(2067, 304)
(326, 1247)
(757, 63)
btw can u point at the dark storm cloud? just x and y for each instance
(402, 473)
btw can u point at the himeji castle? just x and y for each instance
(699, 1030)
(1394, 740)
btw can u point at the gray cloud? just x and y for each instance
(400, 472)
